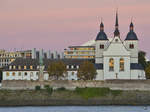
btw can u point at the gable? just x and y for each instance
(116, 48)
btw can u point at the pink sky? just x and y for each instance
(57, 24)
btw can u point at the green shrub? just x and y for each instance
(48, 89)
(37, 88)
(61, 89)
(116, 92)
(92, 92)
(46, 86)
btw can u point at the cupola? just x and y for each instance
(101, 35)
(131, 35)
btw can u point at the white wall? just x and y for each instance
(117, 74)
(98, 51)
(133, 52)
(138, 74)
(72, 75)
(31, 75)
(100, 75)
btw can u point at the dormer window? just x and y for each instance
(101, 46)
(31, 67)
(70, 66)
(19, 67)
(10, 67)
(131, 46)
(75, 66)
(25, 67)
(14, 67)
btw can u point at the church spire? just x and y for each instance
(131, 26)
(101, 26)
(117, 25)
(116, 32)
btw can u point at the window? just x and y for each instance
(101, 46)
(14, 67)
(10, 67)
(72, 73)
(74, 66)
(13, 74)
(121, 64)
(7, 73)
(31, 67)
(70, 66)
(19, 74)
(19, 67)
(31, 74)
(111, 64)
(25, 67)
(25, 74)
(131, 46)
(37, 73)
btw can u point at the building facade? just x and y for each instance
(7, 57)
(28, 69)
(80, 52)
(119, 58)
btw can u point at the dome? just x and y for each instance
(101, 36)
(131, 36)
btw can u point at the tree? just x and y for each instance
(86, 71)
(141, 59)
(1, 74)
(147, 72)
(57, 69)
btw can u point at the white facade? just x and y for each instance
(20, 75)
(117, 50)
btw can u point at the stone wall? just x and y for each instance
(112, 84)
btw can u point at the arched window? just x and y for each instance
(111, 64)
(25, 73)
(13, 74)
(7, 73)
(31, 74)
(19, 74)
(121, 64)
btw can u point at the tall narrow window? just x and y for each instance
(111, 64)
(13, 74)
(121, 64)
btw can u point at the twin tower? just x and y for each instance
(130, 42)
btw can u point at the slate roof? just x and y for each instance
(81, 46)
(136, 66)
(35, 62)
(99, 66)
(131, 36)
(101, 36)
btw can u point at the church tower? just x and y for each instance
(131, 43)
(101, 44)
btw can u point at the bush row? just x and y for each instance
(84, 92)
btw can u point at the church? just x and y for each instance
(119, 58)
(114, 59)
